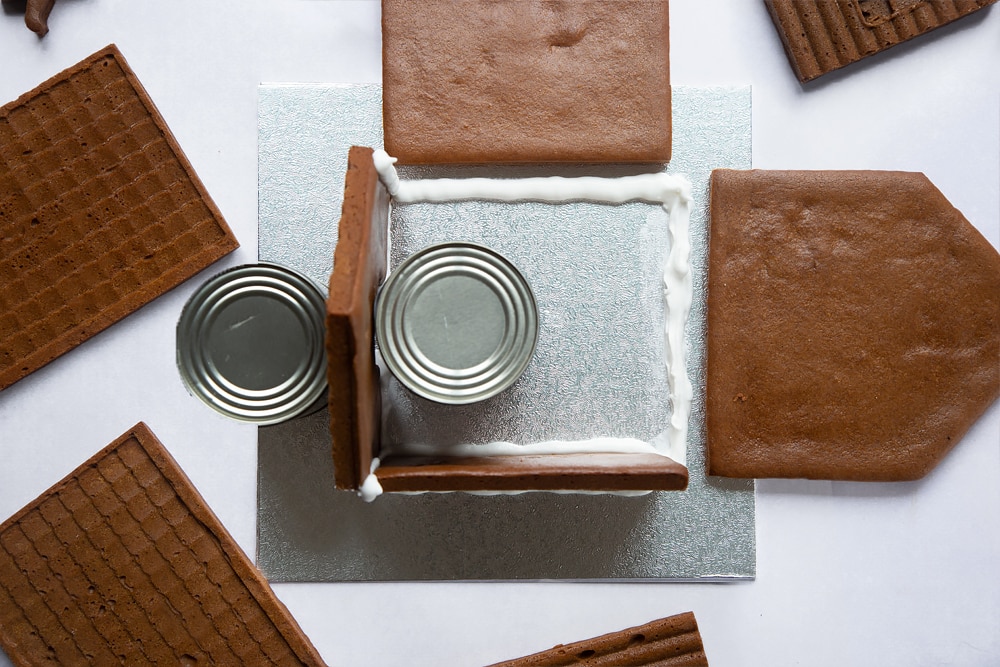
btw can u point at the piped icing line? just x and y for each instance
(672, 192)
(521, 492)
(659, 188)
(678, 292)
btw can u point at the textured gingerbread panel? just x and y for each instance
(668, 642)
(823, 35)
(123, 563)
(100, 212)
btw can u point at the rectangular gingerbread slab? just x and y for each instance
(359, 266)
(123, 563)
(100, 212)
(820, 36)
(529, 81)
(668, 642)
(551, 472)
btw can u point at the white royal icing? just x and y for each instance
(371, 488)
(673, 193)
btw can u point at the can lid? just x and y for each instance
(456, 323)
(250, 343)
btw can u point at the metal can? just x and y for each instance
(250, 344)
(456, 323)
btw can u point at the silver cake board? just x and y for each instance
(597, 374)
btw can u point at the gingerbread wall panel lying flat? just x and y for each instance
(530, 81)
(668, 642)
(853, 325)
(823, 35)
(122, 563)
(100, 212)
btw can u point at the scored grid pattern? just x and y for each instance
(121, 562)
(100, 212)
(823, 35)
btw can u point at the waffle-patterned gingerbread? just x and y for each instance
(667, 642)
(823, 35)
(100, 212)
(123, 563)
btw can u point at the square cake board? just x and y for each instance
(308, 531)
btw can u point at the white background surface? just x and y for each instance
(848, 574)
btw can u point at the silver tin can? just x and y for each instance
(456, 323)
(250, 343)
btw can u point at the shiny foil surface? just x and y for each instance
(598, 370)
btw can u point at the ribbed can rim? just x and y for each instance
(513, 301)
(290, 307)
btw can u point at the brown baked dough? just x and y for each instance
(529, 81)
(36, 15)
(820, 36)
(123, 563)
(542, 472)
(100, 211)
(853, 325)
(358, 269)
(668, 642)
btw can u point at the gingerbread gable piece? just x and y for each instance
(853, 325)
